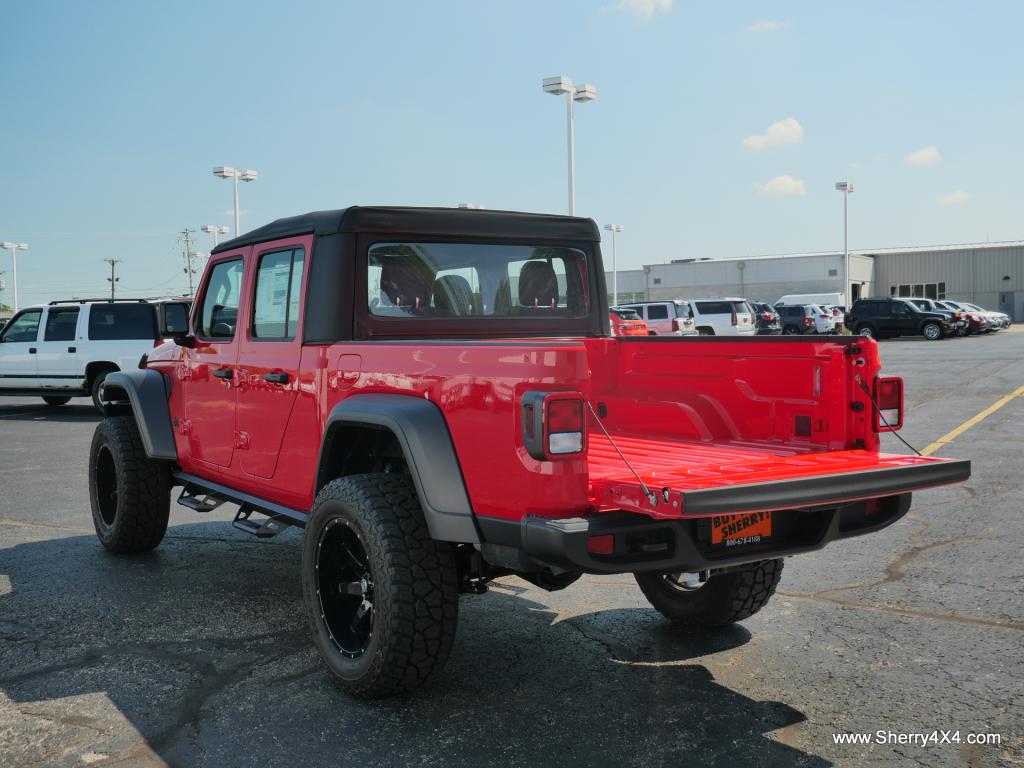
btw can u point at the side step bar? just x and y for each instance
(205, 496)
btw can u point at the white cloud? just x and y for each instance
(645, 9)
(787, 131)
(953, 198)
(767, 25)
(782, 186)
(925, 156)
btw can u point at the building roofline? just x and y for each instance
(857, 252)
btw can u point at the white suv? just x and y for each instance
(66, 349)
(665, 318)
(728, 316)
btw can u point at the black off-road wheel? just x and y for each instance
(129, 492)
(698, 600)
(53, 401)
(381, 595)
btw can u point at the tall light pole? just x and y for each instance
(559, 86)
(846, 188)
(227, 172)
(14, 248)
(614, 229)
(213, 229)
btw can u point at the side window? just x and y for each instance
(278, 294)
(219, 315)
(900, 308)
(61, 324)
(115, 322)
(714, 307)
(657, 312)
(25, 327)
(175, 318)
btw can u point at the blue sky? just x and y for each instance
(117, 112)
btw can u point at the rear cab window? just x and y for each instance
(118, 322)
(454, 289)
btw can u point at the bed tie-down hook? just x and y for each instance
(651, 496)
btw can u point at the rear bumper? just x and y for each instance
(642, 544)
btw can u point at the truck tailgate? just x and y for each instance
(703, 479)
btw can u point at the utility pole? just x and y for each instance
(112, 279)
(186, 239)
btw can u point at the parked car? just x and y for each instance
(996, 320)
(766, 319)
(626, 322)
(723, 317)
(797, 319)
(885, 318)
(838, 317)
(65, 349)
(337, 376)
(977, 322)
(665, 318)
(956, 316)
(825, 321)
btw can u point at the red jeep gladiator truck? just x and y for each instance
(435, 396)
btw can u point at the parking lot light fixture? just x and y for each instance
(213, 229)
(14, 248)
(614, 229)
(227, 172)
(560, 85)
(846, 188)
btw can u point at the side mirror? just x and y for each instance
(184, 339)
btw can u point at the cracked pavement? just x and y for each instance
(198, 654)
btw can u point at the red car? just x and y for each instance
(435, 396)
(626, 322)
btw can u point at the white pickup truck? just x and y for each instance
(65, 349)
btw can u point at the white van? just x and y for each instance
(797, 299)
(727, 316)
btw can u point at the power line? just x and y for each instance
(186, 238)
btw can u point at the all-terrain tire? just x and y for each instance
(95, 385)
(724, 598)
(129, 492)
(53, 401)
(413, 581)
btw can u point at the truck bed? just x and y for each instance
(707, 478)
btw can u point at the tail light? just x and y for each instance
(808, 320)
(675, 324)
(767, 316)
(889, 403)
(553, 424)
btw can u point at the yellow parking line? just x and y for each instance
(950, 436)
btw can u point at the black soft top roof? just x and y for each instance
(458, 222)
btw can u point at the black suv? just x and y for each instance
(797, 319)
(883, 318)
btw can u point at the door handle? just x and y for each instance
(31, 350)
(276, 378)
(72, 349)
(223, 373)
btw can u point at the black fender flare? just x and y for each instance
(146, 393)
(422, 432)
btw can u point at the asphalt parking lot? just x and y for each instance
(197, 654)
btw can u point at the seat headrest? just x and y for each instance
(453, 295)
(406, 282)
(538, 285)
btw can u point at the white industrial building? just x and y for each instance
(988, 274)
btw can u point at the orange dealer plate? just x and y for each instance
(737, 530)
